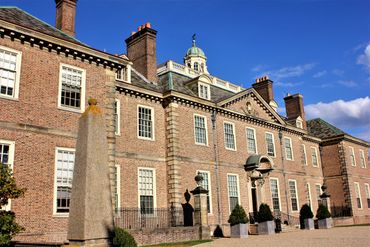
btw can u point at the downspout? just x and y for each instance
(216, 155)
(284, 175)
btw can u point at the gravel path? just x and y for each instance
(339, 236)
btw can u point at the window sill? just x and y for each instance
(70, 109)
(202, 144)
(146, 139)
(60, 215)
(8, 97)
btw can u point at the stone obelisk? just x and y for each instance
(91, 213)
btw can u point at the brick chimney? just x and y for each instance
(65, 17)
(294, 108)
(141, 50)
(263, 86)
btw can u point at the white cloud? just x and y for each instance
(288, 84)
(320, 74)
(353, 114)
(288, 72)
(348, 83)
(365, 58)
(337, 72)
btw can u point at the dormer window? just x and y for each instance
(204, 91)
(299, 123)
(196, 66)
(124, 74)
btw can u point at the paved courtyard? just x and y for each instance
(340, 236)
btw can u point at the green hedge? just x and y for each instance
(238, 216)
(123, 238)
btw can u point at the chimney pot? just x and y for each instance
(148, 25)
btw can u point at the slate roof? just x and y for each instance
(322, 129)
(19, 17)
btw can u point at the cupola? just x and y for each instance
(195, 58)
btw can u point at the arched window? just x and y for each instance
(196, 66)
(189, 65)
(202, 67)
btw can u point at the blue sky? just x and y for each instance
(319, 48)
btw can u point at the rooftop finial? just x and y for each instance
(193, 40)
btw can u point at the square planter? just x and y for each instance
(239, 231)
(266, 228)
(308, 224)
(325, 223)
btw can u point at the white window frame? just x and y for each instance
(296, 194)
(317, 158)
(273, 143)
(154, 187)
(208, 90)
(352, 156)
(118, 186)
(225, 143)
(291, 148)
(55, 213)
(308, 193)
(278, 190)
(367, 193)
(83, 89)
(206, 129)
(228, 189)
(362, 159)
(299, 123)
(255, 140)
(209, 188)
(125, 74)
(358, 193)
(153, 123)
(11, 145)
(319, 200)
(117, 117)
(304, 155)
(15, 95)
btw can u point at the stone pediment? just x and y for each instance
(250, 103)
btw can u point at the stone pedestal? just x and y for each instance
(91, 213)
(201, 212)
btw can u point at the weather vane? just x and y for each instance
(194, 39)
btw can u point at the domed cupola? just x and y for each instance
(196, 59)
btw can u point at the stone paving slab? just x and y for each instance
(358, 236)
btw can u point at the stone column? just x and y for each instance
(91, 214)
(200, 210)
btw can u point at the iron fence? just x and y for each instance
(340, 211)
(134, 218)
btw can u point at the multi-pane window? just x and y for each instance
(362, 159)
(367, 191)
(117, 117)
(200, 130)
(293, 195)
(64, 174)
(352, 156)
(304, 155)
(270, 144)
(358, 195)
(206, 185)
(308, 194)
(229, 136)
(146, 190)
(232, 184)
(145, 122)
(274, 187)
(124, 74)
(288, 148)
(72, 86)
(204, 91)
(314, 157)
(251, 141)
(9, 72)
(318, 193)
(116, 187)
(196, 66)
(6, 159)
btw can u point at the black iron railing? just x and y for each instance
(134, 218)
(287, 218)
(340, 211)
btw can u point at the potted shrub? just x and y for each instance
(238, 222)
(266, 224)
(306, 218)
(324, 217)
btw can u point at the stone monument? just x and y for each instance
(91, 213)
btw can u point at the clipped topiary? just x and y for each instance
(322, 212)
(264, 213)
(238, 216)
(305, 212)
(123, 238)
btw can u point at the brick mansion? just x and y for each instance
(165, 124)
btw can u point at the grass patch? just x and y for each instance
(181, 244)
(367, 224)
